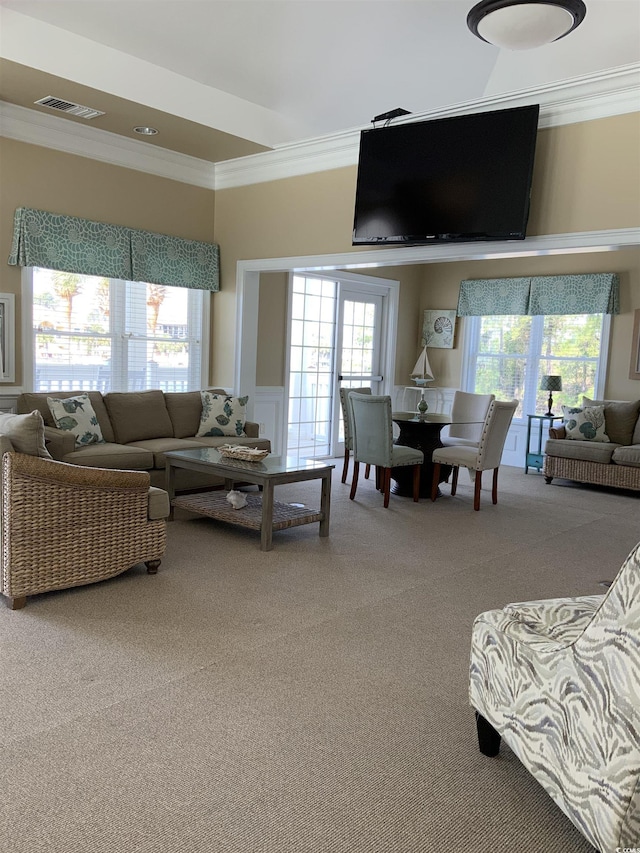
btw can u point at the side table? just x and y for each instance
(534, 458)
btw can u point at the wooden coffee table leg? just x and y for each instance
(266, 526)
(325, 504)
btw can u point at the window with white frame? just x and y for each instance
(112, 335)
(507, 355)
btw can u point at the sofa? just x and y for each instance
(138, 428)
(614, 461)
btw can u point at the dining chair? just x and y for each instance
(468, 413)
(373, 444)
(484, 456)
(348, 429)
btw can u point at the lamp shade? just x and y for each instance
(524, 24)
(551, 383)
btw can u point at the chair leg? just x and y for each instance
(379, 480)
(488, 737)
(152, 566)
(417, 470)
(494, 489)
(345, 467)
(367, 471)
(476, 491)
(17, 603)
(386, 473)
(454, 480)
(435, 481)
(354, 480)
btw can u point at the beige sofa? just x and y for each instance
(613, 463)
(138, 428)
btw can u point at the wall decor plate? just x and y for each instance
(438, 328)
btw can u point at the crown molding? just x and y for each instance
(594, 96)
(61, 134)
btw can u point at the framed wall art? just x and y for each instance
(438, 328)
(7, 338)
(634, 367)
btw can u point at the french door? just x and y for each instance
(336, 339)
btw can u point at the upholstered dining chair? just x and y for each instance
(373, 444)
(468, 413)
(558, 680)
(486, 455)
(348, 428)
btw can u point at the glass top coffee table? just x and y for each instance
(262, 512)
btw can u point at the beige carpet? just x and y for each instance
(310, 699)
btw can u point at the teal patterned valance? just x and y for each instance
(585, 293)
(70, 244)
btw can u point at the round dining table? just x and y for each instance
(423, 433)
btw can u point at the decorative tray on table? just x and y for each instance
(246, 454)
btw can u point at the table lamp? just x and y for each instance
(550, 383)
(421, 374)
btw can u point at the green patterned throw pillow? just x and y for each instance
(585, 424)
(76, 414)
(222, 415)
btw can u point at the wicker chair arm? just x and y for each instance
(62, 473)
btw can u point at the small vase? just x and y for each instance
(422, 406)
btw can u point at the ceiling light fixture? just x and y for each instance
(525, 24)
(145, 131)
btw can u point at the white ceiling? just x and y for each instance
(272, 72)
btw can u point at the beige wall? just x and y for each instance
(272, 328)
(586, 178)
(32, 176)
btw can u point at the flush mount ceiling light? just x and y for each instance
(524, 24)
(145, 131)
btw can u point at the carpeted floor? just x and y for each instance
(312, 699)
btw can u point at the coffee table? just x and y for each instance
(262, 512)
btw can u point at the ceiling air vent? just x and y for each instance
(68, 107)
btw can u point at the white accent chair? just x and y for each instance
(373, 444)
(486, 455)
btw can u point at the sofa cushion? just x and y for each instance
(138, 415)
(111, 456)
(222, 414)
(589, 451)
(29, 401)
(627, 455)
(26, 433)
(620, 418)
(585, 424)
(185, 410)
(159, 446)
(77, 416)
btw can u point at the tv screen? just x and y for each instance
(457, 179)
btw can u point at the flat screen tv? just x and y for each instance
(457, 179)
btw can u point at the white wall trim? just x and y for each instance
(593, 96)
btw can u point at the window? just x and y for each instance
(112, 335)
(507, 355)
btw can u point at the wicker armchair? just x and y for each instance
(67, 525)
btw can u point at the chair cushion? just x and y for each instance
(138, 415)
(77, 416)
(457, 454)
(222, 414)
(26, 433)
(401, 455)
(586, 424)
(589, 451)
(627, 455)
(158, 506)
(620, 418)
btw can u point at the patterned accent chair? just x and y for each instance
(559, 681)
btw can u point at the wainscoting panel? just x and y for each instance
(269, 412)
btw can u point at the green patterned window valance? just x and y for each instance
(586, 293)
(42, 239)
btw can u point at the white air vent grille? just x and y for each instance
(68, 107)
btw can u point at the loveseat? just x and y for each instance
(589, 459)
(138, 428)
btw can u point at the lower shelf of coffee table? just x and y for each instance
(215, 505)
